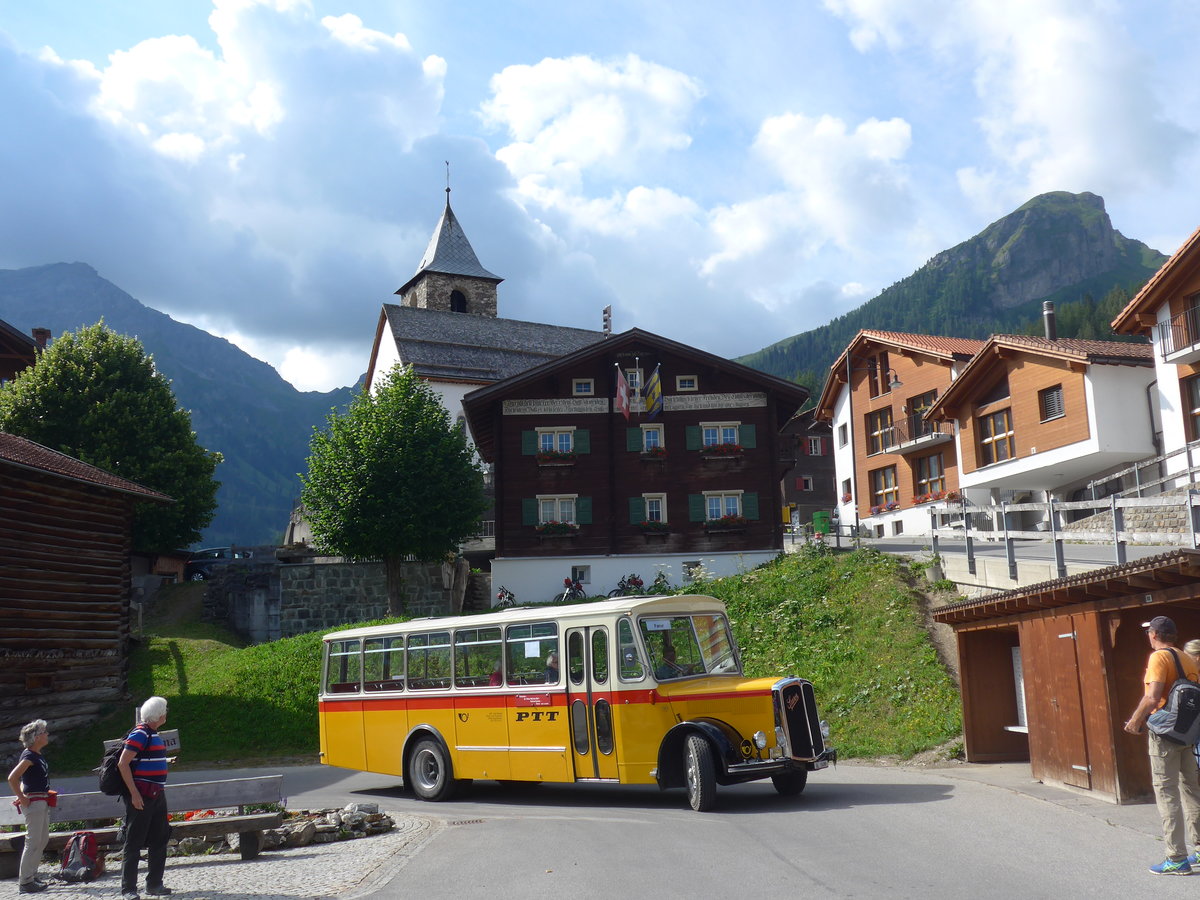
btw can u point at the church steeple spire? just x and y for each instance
(450, 276)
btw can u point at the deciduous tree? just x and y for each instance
(95, 395)
(392, 477)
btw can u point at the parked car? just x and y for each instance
(203, 562)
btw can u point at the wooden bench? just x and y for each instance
(201, 795)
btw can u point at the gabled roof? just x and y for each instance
(17, 350)
(453, 346)
(789, 396)
(950, 349)
(1074, 350)
(1132, 319)
(450, 253)
(25, 454)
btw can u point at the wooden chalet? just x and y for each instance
(18, 351)
(65, 540)
(584, 492)
(1051, 672)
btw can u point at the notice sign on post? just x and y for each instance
(170, 739)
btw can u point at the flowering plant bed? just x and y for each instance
(726, 523)
(654, 453)
(648, 527)
(846, 498)
(556, 529)
(555, 457)
(721, 450)
(885, 507)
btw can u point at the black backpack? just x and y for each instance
(1179, 719)
(111, 782)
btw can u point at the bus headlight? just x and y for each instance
(760, 740)
(824, 730)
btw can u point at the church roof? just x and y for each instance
(450, 253)
(454, 346)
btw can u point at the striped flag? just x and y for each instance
(621, 401)
(654, 398)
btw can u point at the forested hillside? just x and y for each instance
(1059, 246)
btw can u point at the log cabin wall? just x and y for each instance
(64, 600)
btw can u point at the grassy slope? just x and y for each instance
(849, 623)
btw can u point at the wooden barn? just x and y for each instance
(65, 537)
(1051, 672)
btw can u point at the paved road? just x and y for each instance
(858, 831)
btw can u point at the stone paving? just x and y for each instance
(342, 869)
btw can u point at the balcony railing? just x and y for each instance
(914, 432)
(1179, 338)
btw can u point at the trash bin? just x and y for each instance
(821, 522)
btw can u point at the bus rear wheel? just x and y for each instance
(701, 773)
(789, 784)
(429, 771)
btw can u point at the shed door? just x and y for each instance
(1057, 734)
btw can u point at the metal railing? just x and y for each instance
(1179, 332)
(1149, 477)
(913, 428)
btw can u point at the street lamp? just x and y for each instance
(871, 366)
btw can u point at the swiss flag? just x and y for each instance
(621, 401)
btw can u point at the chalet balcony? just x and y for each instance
(1179, 339)
(914, 433)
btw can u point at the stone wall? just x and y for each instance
(264, 599)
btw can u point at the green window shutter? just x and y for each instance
(633, 440)
(583, 510)
(695, 507)
(583, 440)
(637, 510)
(529, 511)
(750, 504)
(529, 443)
(693, 437)
(747, 437)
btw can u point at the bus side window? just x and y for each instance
(631, 666)
(343, 667)
(429, 660)
(477, 657)
(600, 656)
(575, 657)
(527, 650)
(383, 664)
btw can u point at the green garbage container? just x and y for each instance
(821, 522)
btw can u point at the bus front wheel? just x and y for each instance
(701, 773)
(429, 771)
(789, 784)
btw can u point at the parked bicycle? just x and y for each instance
(572, 590)
(505, 598)
(629, 584)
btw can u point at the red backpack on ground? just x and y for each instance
(81, 859)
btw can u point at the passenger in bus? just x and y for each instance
(497, 676)
(551, 675)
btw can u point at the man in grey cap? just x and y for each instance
(1172, 766)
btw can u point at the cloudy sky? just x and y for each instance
(724, 174)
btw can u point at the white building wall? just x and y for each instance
(843, 456)
(539, 579)
(1119, 403)
(1170, 400)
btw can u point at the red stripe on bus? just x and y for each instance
(526, 700)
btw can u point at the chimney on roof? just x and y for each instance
(41, 337)
(1048, 319)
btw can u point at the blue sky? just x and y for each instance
(723, 174)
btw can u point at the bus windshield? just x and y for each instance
(681, 646)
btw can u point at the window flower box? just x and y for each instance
(555, 457)
(725, 524)
(846, 498)
(655, 453)
(885, 507)
(721, 451)
(930, 497)
(654, 529)
(557, 529)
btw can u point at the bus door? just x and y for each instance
(589, 703)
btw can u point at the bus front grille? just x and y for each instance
(797, 705)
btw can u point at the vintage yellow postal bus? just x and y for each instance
(636, 690)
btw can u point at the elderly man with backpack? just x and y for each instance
(1168, 710)
(143, 767)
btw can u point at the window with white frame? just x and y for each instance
(686, 383)
(713, 433)
(843, 435)
(556, 508)
(634, 377)
(582, 574)
(656, 507)
(806, 482)
(561, 440)
(652, 438)
(718, 504)
(814, 446)
(583, 387)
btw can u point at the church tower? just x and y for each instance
(450, 277)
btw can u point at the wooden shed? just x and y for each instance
(1051, 672)
(65, 536)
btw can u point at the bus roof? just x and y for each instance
(683, 603)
